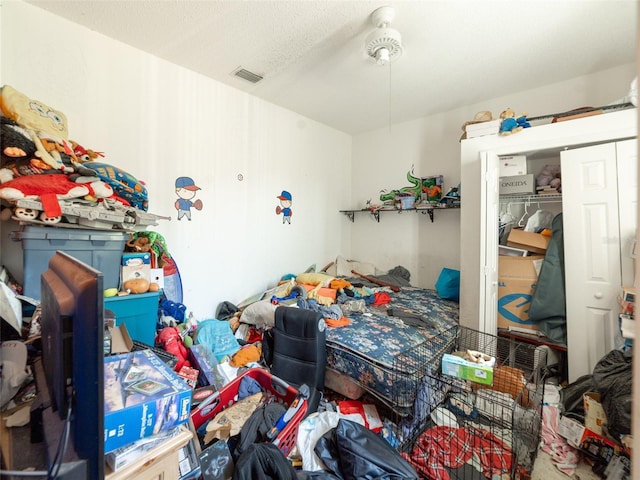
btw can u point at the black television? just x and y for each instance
(72, 322)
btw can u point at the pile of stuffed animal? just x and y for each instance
(47, 178)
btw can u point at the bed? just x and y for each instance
(385, 349)
(389, 356)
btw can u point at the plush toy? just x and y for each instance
(170, 339)
(50, 188)
(125, 185)
(550, 175)
(18, 154)
(83, 154)
(138, 244)
(510, 124)
(32, 114)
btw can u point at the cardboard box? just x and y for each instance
(513, 165)
(190, 375)
(188, 462)
(491, 127)
(578, 436)
(455, 366)
(431, 189)
(517, 277)
(520, 184)
(363, 413)
(127, 454)
(133, 259)
(142, 397)
(120, 339)
(595, 418)
(533, 242)
(512, 252)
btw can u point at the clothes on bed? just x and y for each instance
(331, 312)
(410, 318)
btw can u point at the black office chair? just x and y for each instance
(299, 355)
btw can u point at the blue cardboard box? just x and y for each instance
(142, 397)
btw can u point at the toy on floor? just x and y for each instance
(170, 339)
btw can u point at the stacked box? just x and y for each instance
(135, 266)
(520, 184)
(517, 278)
(431, 189)
(100, 249)
(139, 311)
(142, 397)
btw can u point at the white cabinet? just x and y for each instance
(479, 214)
(599, 194)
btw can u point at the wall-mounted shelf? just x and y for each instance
(351, 214)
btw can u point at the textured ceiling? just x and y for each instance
(311, 53)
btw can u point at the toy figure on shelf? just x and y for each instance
(415, 189)
(512, 124)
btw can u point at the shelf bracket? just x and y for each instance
(427, 211)
(350, 215)
(376, 214)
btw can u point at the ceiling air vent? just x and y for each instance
(247, 75)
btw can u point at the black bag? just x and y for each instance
(612, 376)
(352, 452)
(572, 397)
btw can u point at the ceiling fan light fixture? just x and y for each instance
(384, 44)
(382, 56)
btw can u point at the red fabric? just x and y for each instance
(440, 448)
(381, 298)
(254, 335)
(51, 205)
(49, 187)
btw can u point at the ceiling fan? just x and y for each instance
(384, 44)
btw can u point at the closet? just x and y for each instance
(602, 226)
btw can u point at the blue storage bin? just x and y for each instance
(102, 249)
(139, 311)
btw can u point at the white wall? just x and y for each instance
(159, 121)
(382, 158)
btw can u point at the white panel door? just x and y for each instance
(627, 161)
(592, 254)
(489, 210)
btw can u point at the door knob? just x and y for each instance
(598, 295)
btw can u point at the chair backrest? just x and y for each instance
(299, 351)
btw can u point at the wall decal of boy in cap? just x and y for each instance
(285, 207)
(185, 190)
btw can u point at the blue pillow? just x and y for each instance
(448, 284)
